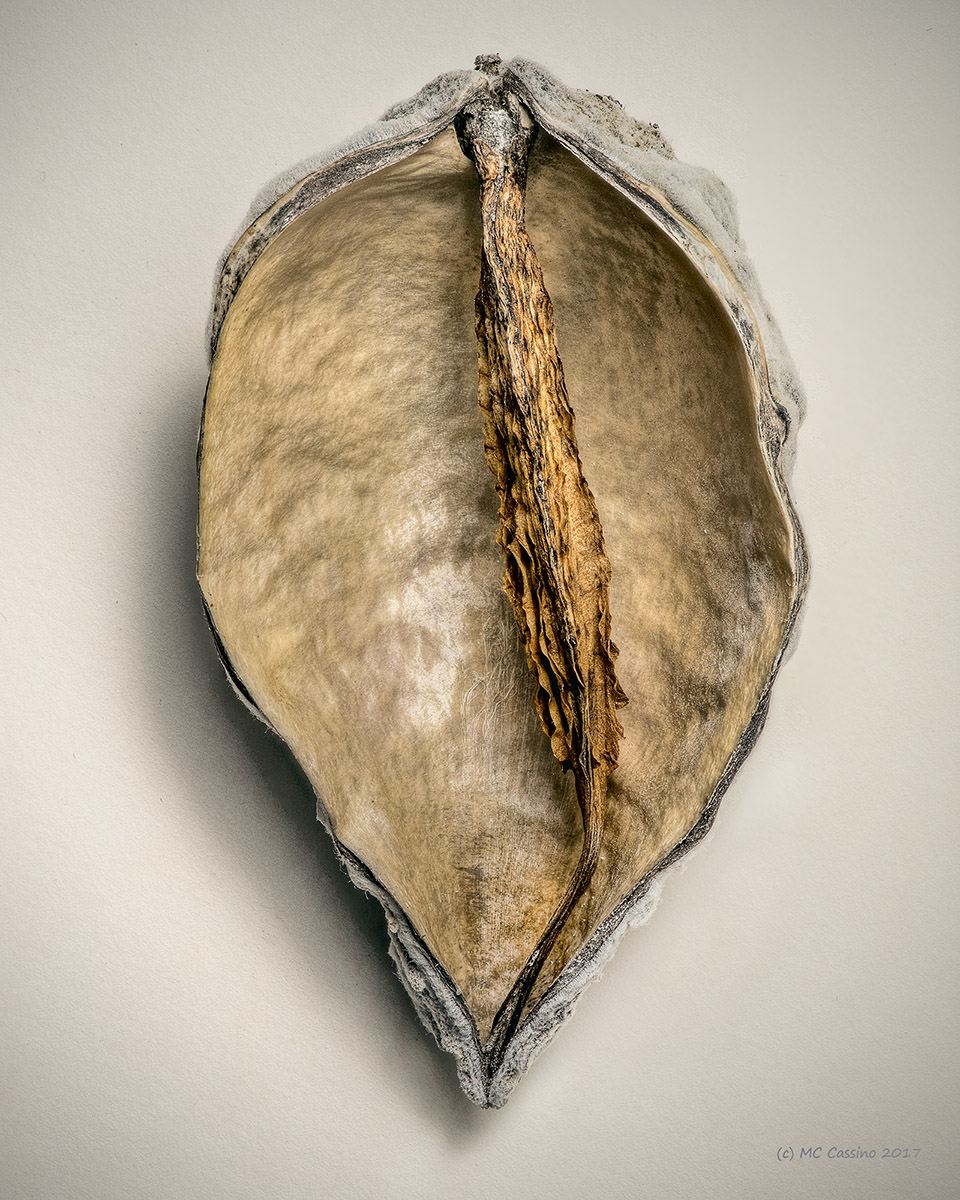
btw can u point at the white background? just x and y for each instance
(195, 1002)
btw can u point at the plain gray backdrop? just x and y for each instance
(195, 1002)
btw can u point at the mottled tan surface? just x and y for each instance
(347, 544)
(667, 430)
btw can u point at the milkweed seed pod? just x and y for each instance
(519, 648)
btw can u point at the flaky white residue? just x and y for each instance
(433, 607)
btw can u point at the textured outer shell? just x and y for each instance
(412, 610)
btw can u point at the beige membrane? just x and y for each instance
(347, 545)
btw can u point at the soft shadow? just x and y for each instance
(182, 662)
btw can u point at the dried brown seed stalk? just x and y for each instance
(557, 570)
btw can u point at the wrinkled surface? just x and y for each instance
(557, 571)
(699, 545)
(348, 555)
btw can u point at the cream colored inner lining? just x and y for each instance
(347, 544)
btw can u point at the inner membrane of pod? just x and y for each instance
(348, 554)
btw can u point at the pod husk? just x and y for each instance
(348, 522)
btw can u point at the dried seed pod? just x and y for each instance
(635, 402)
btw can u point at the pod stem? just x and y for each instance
(557, 571)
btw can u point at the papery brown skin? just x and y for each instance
(557, 570)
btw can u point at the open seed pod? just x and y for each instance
(508, 741)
